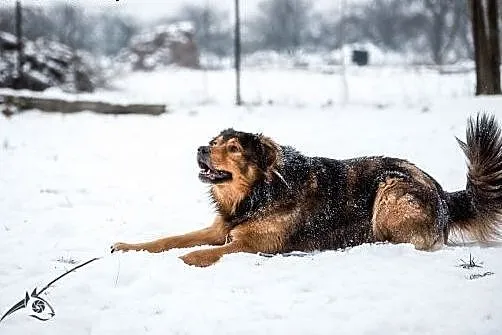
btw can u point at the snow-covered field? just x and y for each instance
(378, 86)
(70, 185)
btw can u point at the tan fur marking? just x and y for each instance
(207, 257)
(417, 174)
(265, 235)
(398, 216)
(351, 178)
(234, 141)
(213, 235)
(230, 194)
(313, 183)
(217, 141)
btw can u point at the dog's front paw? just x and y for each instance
(121, 247)
(201, 258)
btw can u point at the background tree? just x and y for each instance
(435, 31)
(282, 25)
(73, 25)
(442, 20)
(102, 33)
(36, 22)
(386, 23)
(112, 33)
(213, 30)
(485, 31)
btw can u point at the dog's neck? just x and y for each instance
(227, 197)
(242, 199)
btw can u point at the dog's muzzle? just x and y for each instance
(208, 173)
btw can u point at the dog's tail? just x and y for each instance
(476, 212)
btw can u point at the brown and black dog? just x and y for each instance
(272, 199)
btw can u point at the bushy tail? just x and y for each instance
(476, 213)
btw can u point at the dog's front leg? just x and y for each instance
(213, 235)
(207, 257)
(266, 236)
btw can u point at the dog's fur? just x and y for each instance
(272, 199)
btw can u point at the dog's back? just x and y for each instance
(342, 202)
(368, 199)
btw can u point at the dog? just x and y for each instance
(272, 199)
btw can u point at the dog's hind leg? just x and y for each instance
(213, 235)
(406, 212)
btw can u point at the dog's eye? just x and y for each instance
(233, 148)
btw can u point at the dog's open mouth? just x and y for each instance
(210, 175)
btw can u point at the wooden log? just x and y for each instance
(63, 106)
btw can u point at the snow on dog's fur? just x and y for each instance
(271, 198)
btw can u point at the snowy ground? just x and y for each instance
(378, 86)
(71, 185)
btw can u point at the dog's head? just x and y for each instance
(234, 161)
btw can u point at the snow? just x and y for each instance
(379, 86)
(70, 185)
(7, 37)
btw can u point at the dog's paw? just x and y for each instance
(201, 258)
(120, 247)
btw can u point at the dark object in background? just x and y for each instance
(45, 64)
(15, 103)
(237, 54)
(485, 34)
(360, 57)
(160, 46)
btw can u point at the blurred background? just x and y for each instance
(101, 45)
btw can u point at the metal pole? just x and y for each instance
(345, 86)
(19, 34)
(237, 55)
(206, 42)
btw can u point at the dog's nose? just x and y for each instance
(204, 150)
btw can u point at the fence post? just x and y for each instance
(237, 55)
(19, 35)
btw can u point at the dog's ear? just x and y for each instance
(268, 156)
